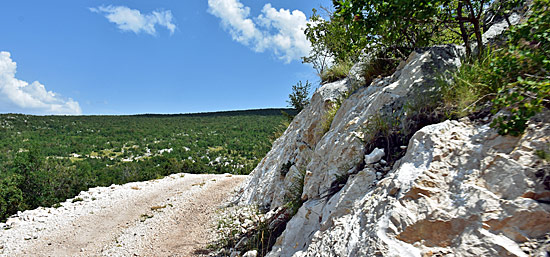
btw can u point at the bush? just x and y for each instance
(11, 197)
(514, 79)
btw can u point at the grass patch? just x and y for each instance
(513, 80)
(216, 149)
(336, 72)
(281, 128)
(468, 90)
(391, 129)
(78, 199)
(293, 197)
(543, 154)
(236, 223)
(380, 65)
(329, 115)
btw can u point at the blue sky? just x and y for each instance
(129, 57)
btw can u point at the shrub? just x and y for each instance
(391, 129)
(11, 197)
(245, 228)
(514, 79)
(238, 223)
(379, 66)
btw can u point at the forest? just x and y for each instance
(47, 159)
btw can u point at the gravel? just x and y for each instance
(169, 216)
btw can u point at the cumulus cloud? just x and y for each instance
(280, 31)
(133, 20)
(20, 96)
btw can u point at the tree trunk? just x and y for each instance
(478, 38)
(474, 19)
(463, 31)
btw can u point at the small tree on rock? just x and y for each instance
(299, 97)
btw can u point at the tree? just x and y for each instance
(403, 25)
(299, 97)
(11, 197)
(331, 41)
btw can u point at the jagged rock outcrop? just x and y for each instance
(459, 190)
(305, 145)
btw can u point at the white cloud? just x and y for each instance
(133, 20)
(280, 31)
(20, 96)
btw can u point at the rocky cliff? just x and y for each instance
(456, 188)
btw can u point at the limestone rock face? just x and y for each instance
(305, 146)
(272, 178)
(460, 190)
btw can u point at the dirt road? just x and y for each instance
(166, 217)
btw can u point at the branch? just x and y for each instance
(477, 101)
(535, 97)
(480, 9)
(535, 76)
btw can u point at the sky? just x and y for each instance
(165, 56)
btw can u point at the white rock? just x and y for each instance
(460, 190)
(375, 156)
(252, 253)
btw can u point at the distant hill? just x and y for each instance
(263, 112)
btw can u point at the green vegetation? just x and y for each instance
(328, 117)
(245, 228)
(78, 199)
(514, 78)
(47, 159)
(298, 100)
(236, 223)
(293, 197)
(543, 154)
(299, 97)
(336, 72)
(281, 128)
(393, 29)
